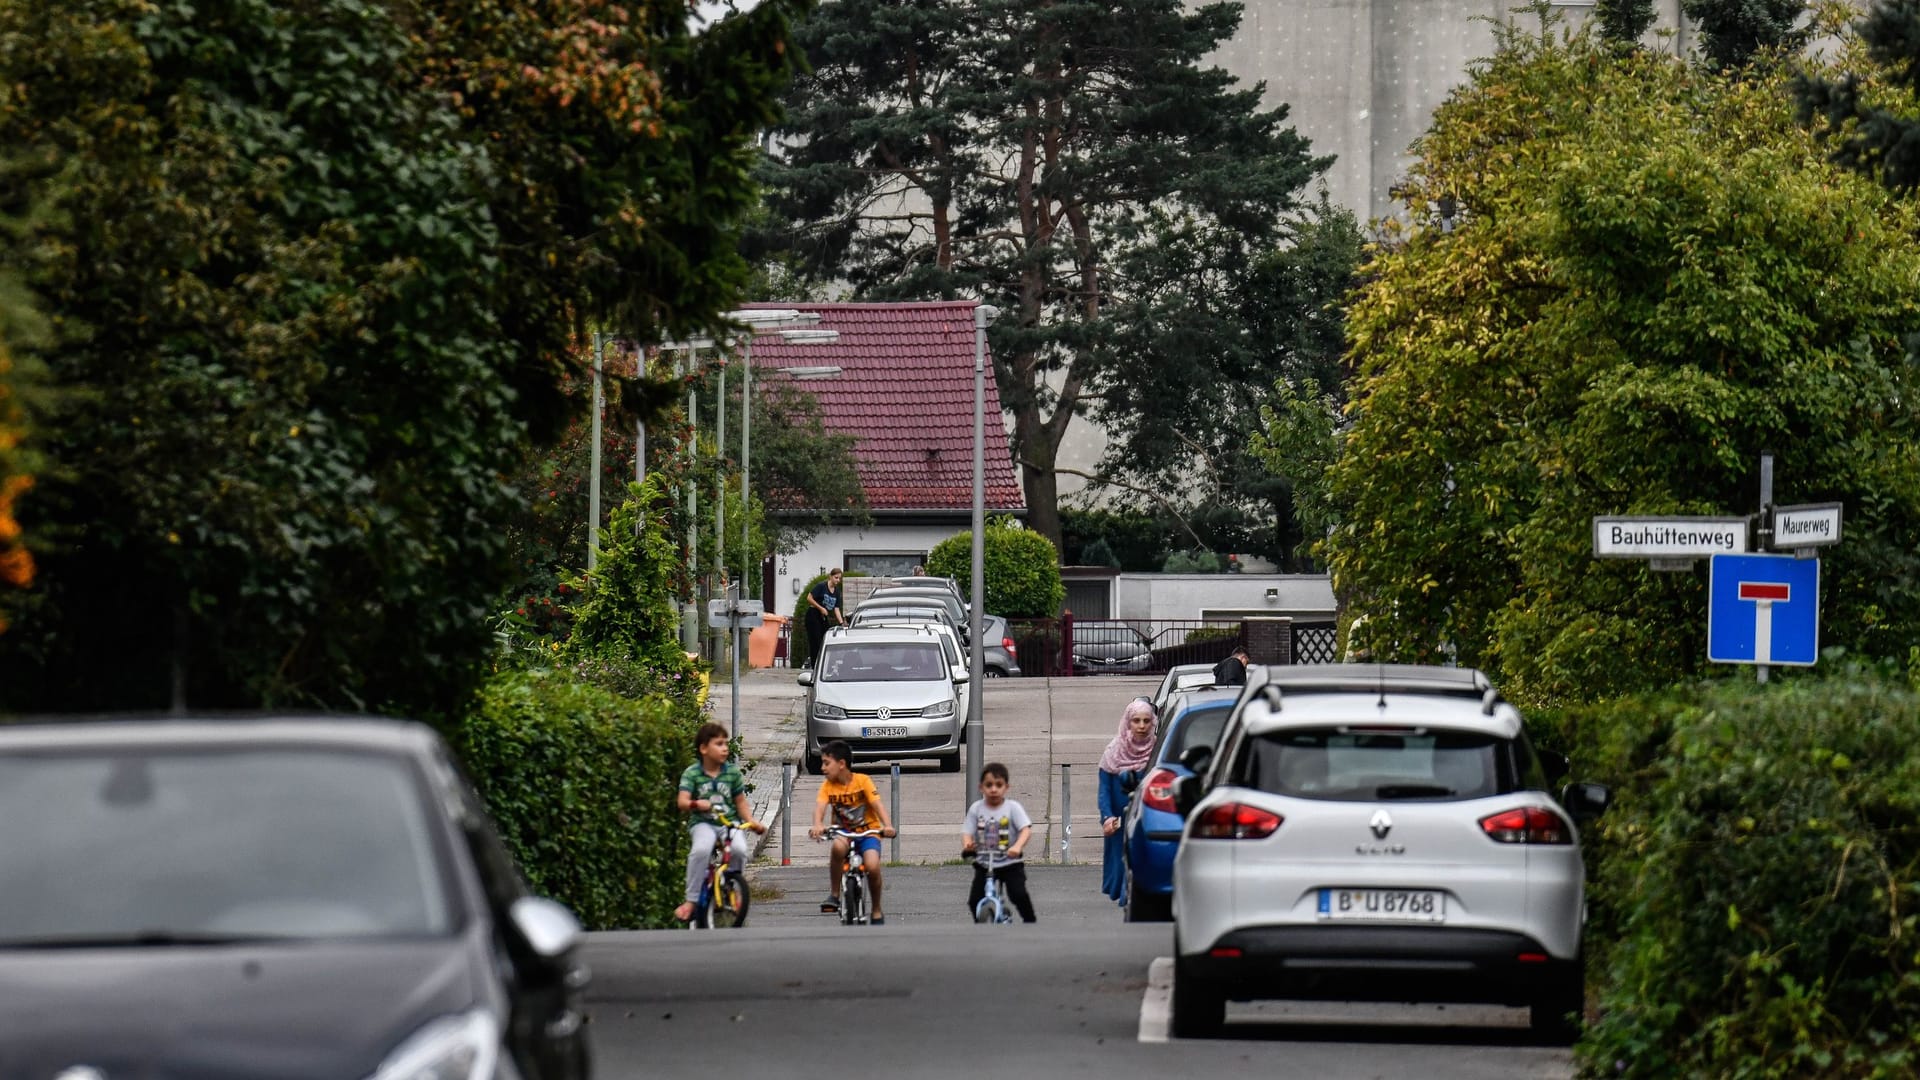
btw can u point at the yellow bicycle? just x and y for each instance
(724, 898)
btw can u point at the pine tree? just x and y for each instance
(1623, 21)
(1048, 157)
(1885, 143)
(1731, 31)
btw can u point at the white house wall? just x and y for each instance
(831, 547)
(1194, 596)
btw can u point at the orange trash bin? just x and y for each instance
(764, 641)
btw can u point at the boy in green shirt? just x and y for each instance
(708, 784)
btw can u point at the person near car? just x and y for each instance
(1127, 753)
(1233, 670)
(856, 807)
(824, 608)
(994, 820)
(711, 782)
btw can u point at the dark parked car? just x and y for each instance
(1116, 649)
(1002, 656)
(1152, 825)
(281, 898)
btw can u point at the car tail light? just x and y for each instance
(1527, 825)
(1236, 821)
(1157, 792)
(1007, 644)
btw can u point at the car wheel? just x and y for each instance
(1199, 1010)
(1148, 907)
(996, 673)
(813, 763)
(950, 763)
(1558, 1009)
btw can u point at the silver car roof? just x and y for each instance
(880, 632)
(215, 731)
(1265, 712)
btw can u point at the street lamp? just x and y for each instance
(826, 371)
(983, 316)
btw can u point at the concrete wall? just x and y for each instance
(1190, 596)
(1363, 77)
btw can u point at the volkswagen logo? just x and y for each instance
(884, 713)
(1381, 823)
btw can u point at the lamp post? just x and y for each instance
(824, 371)
(983, 316)
(593, 463)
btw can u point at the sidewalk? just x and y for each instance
(1043, 730)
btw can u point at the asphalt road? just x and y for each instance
(795, 995)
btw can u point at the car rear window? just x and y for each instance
(1364, 765)
(152, 845)
(870, 662)
(1199, 727)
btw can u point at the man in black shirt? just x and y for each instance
(1233, 670)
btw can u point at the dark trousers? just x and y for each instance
(1013, 886)
(816, 630)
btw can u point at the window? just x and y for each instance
(893, 564)
(870, 662)
(1198, 727)
(1363, 765)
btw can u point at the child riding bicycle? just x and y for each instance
(856, 808)
(706, 787)
(989, 820)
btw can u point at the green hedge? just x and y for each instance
(581, 783)
(1755, 890)
(1022, 575)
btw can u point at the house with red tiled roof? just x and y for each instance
(905, 392)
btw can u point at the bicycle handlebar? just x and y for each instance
(854, 835)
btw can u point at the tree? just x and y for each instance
(1022, 571)
(1068, 163)
(1872, 105)
(1657, 275)
(1624, 21)
(1733, 31)
(312, 271)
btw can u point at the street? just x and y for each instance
(931, 995)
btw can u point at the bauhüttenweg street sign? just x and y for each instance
(1677, 537)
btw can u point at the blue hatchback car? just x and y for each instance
(1152, 824)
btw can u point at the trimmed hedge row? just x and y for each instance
(1756, 886)
(581, 783)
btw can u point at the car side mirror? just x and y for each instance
(1186, 794)
(1554, 763)
(805, 678)
(547, 927)
(962, 675)
(1586, 800)
(1197, 758)
(1129, 780)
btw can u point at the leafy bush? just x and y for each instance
(1022, 573)
(581, 782)
(1193, 562)
(1097, 553)
(1212, 633)
(1756, 876)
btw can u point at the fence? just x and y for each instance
(1070, 646)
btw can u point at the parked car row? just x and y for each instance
(1376, 832)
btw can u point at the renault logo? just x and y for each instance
(1381, 823)
(884, 713)
(82, 1072)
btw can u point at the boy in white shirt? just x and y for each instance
(997, 829)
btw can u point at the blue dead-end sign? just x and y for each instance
(1763, 609)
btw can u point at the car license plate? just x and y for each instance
(1397, 905)
(883, 732)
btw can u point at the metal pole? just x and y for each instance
(692, 625)
(977, 586)
(639, 424)
(720, 480)
(733, 631)
(748, 567)
(1066, 813)
(893, 807)
(593, 457)
(786, 813)
(1766, 529)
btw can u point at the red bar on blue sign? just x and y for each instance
(1765, 590)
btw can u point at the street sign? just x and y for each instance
(1763, 609)
(726, 614)
(1807, 525)
(1668, 537)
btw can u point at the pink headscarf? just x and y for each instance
(1127, 753)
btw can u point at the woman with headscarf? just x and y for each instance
(1127, 754)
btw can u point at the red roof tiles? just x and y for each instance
(906, 392)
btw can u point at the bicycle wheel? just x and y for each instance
(730, 900)
(984, 913)
(852, 901)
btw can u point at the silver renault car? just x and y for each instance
(889, 691)
(1378, 832)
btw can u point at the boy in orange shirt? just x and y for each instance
(856, 808)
